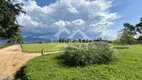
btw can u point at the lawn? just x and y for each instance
(49, 67)
(48, 47)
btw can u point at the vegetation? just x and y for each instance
(127, 67)
(37, 47)
(127, 38)
(140, 40)
(83, 61)
(128, 33)
(9, 27)
(16, 39)
(83, 54)
(64, 40)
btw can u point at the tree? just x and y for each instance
(79, 40)
(17, 39)
(139, 27)
(9, 27)
(130, 31)
(126, 35)
(130, 28)
(127, 38)
(140, 39)
(99, 39)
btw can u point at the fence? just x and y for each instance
(5, 45)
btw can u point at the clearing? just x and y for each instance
(51, 67)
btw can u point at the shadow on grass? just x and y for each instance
(70, 64)
(121, 47)
(63, 62)
(20, 74)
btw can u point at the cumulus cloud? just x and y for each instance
(60, 23)
(90, 16)
(78, 22)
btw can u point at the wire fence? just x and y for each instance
(5, 45)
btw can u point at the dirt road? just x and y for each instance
(12, 59)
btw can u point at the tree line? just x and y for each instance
(10, 29)
(65, 40)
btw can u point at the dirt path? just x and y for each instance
(12, 59)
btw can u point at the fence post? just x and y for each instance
(42, 52)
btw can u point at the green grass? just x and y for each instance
(48, 47)
(49, 67)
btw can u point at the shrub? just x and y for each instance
(40, 42)
(83, 54)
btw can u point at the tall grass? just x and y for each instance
(81, 54)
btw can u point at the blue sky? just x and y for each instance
(95, 18)
(129, 10)
(45, 2)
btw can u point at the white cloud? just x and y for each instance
(60, 23)
(78, 22)
(91, 16)
(26, 20)
(72, 10)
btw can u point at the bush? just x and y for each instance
(140, 42)
(83, 54)
(40, 42)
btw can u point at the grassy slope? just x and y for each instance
(127, 67)
(38, 47)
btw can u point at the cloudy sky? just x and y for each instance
(95, 18)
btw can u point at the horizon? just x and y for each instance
(95, 18)
(70, 39)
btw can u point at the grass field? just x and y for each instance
(49, 67)
(46, 46)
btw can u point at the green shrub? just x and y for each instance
(83, 54)
(139, 41)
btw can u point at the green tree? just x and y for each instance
(127, 38)
(130, 28)
(17, 39)
(9, 27)
(140, 39)
(99, 39)
(139, 27)
(79, 40)
(129, 32)
(139, 30)
(134, 29)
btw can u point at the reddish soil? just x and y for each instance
(12, 59)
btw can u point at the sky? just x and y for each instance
(91, 19)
